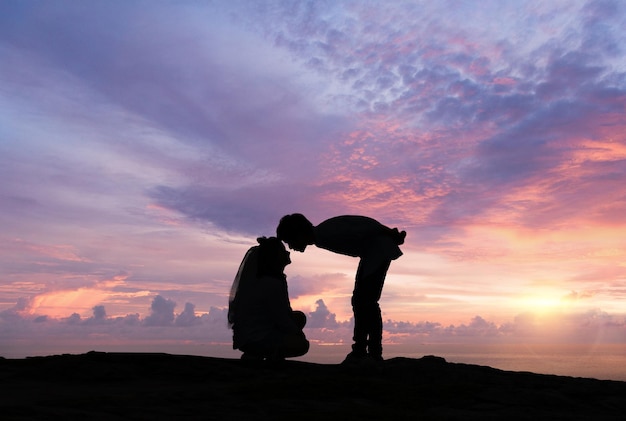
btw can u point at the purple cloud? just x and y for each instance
(187, 317)
(161, 312)
(321, 317)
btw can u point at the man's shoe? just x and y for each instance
(376, 357)
(355, 357)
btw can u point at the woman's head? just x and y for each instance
(272, 257)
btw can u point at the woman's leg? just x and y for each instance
(277, 346)
(299, 318)
(294, 346)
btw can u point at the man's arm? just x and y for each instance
(397, 236)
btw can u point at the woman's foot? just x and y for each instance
(247, 356)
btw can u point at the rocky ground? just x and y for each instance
(138, 386)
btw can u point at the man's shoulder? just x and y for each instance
(349, 219)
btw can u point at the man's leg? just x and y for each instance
(359, 348)
(368, 324)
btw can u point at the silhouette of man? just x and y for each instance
(359, 236)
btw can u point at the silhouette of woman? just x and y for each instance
(259, 312)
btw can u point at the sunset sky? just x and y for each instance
(144, 145)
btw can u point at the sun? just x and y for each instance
(540, 304)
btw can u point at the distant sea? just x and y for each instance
(598, 361)
(605, 362)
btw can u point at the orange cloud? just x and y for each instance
(81, 300)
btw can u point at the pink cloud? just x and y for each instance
(186, 328)
(505, 81)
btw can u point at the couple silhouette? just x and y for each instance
(260, 314)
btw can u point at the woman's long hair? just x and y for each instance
(269, 258)
(246, 274)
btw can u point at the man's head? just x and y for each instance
(296, 231)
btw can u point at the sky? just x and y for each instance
(145, 145)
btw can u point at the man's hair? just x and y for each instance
(290, 226)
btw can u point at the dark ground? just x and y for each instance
(136, 386)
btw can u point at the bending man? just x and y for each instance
(359, 236)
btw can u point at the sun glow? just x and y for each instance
(540, 304)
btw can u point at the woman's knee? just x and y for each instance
(299, 318)
(295, 346)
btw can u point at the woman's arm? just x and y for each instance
(278, 305)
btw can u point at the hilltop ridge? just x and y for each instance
(111, 386)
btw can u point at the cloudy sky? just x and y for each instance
(144, 145)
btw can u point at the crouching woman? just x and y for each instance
(264, 325)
